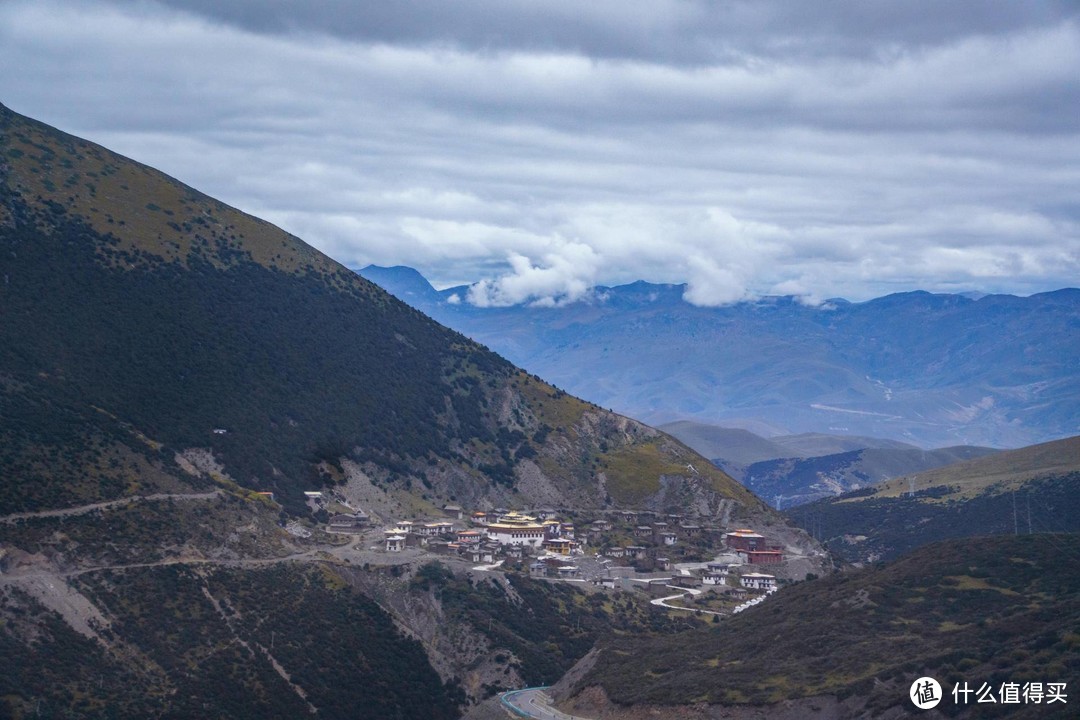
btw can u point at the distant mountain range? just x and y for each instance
(790, 470)
(927, 369)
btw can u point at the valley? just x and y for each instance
(238, 479)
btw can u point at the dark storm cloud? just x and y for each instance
(668, 31)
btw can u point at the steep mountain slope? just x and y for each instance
(988, 610)
(164, 361)
(128, 295)
(1033, 489)
(931, 370)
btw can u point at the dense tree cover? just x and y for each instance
(294, 367)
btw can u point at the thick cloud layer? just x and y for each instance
(840, 149)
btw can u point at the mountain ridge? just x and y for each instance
(1027, 490)
(932, 370)
(216, 298)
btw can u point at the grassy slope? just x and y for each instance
(1025, 490)
(1005, 470)
(987, 609)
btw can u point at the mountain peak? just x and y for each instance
(403, 282)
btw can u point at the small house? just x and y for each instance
(559, 546)
(344, 522)
(470, 537)
(438, 545)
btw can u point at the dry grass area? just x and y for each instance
(1008, 470)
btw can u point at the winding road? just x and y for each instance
(534, 703)
(83, 509)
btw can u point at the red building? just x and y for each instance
(764, 557)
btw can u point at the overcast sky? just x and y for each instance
(816, 148)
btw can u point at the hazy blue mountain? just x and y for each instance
(927, 369)
(790, 470)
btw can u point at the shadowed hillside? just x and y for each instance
(990, 610)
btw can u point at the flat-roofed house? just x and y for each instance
(758, 581)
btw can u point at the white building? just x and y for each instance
(531, 535)
(516, 529)
(395, 543)
(758, 581)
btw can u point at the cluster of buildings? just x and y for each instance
(484, 537)
(551, 542)
(503, 533)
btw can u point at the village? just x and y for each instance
(680, 564)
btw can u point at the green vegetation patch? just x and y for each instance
(548, 626)
(634, 472)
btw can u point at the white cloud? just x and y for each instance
(567, 273)
(818, 153)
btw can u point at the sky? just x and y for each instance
(537, 149)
